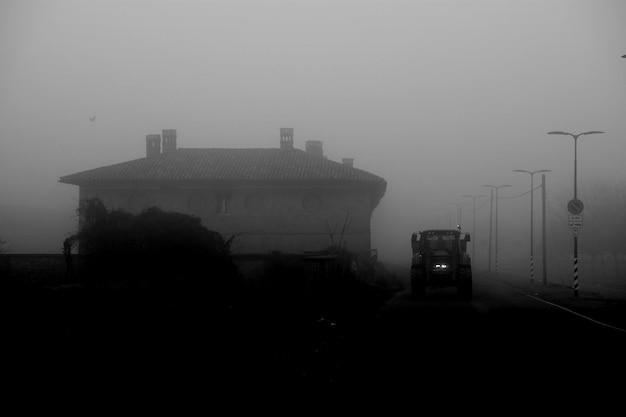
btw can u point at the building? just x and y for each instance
(276, 199)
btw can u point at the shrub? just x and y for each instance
(153, 247)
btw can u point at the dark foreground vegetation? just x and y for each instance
(145, 313)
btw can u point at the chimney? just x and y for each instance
(315, 148)
(286, 138)
(349, 162)
(169, 140)
(153, 145)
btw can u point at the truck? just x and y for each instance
(440, 259)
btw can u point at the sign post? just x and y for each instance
(575, 221)
(575, 206)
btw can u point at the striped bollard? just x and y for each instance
(575, 277)
(496, 265)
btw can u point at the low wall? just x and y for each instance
(53, 269)
(39, 268)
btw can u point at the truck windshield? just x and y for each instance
(440, 242)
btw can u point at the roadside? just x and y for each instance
(603, 303)
(285, 330)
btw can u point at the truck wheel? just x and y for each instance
(418, 285)
(465, 283)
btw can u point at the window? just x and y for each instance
(222, 203)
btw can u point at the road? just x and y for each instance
(510, 341)
(507, 349)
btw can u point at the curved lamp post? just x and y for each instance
(532, 262)
(591, 132)
(495, 187)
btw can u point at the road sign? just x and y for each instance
(575, 221)
(575, 232)
(575, 206)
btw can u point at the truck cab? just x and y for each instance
(440, 259)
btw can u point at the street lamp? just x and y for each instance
(575, 150)
(474, 197)
(495, 187)
(532, 262)
(576, 203)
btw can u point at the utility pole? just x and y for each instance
(544, 255)
(474, 197)
(490, 228)
(496, 187)
(532, 193)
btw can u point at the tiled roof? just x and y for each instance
(248, 165)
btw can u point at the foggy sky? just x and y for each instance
(436, 96)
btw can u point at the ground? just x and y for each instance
(264, 334)
(273, 338)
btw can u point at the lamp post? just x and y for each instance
(575, 206)
(532, 262)
(490, 229)
(474, 197)
(544, 258)
(496, 187)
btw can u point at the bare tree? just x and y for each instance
(337, 232)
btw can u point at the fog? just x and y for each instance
(439, 97)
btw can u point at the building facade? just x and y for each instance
(276, 199)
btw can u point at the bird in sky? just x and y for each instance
(92, 119)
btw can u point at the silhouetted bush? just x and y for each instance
(336, 285)
(284, 275)
(151, 248)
